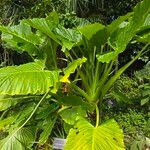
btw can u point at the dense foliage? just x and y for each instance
(67, 79)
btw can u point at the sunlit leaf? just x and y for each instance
(114, 25)
(84, 136)
(45, 25)
(68, 37)
(26, 79)
(21, 38)
(95, 34)
(71, 68)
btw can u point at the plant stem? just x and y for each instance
(53, 54)
(104, 77)
(81, 74)
(96, 78)
(120, 71)
(97, 116)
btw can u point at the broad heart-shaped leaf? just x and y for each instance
(90, 30)
(114, 25)
(68, 37)
(21, 38)
(26, 79)
(19, 141)
(45, 25)
(120, 38)
(85, 136)
(71, 68)
(95, 34)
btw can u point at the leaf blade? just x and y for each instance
(87, 137)
(26, 79)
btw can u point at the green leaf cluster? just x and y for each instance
(90, 52)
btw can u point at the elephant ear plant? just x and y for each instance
(34, 95)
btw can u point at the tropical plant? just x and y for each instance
(50, 89)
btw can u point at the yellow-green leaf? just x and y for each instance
(85, 136)
(71, 68)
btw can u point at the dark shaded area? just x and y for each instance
(21, 58)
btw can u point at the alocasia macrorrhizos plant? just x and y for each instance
(90, 52)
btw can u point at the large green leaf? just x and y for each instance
(95, 34)
(120, 38)
(85, 136)
(114, 25)
(45, 25)
(65, 37)
(123, 35)
(68, 37)
(19, 140)
(71, 68)
(26, 79)
(21, 38)
(90, 30)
